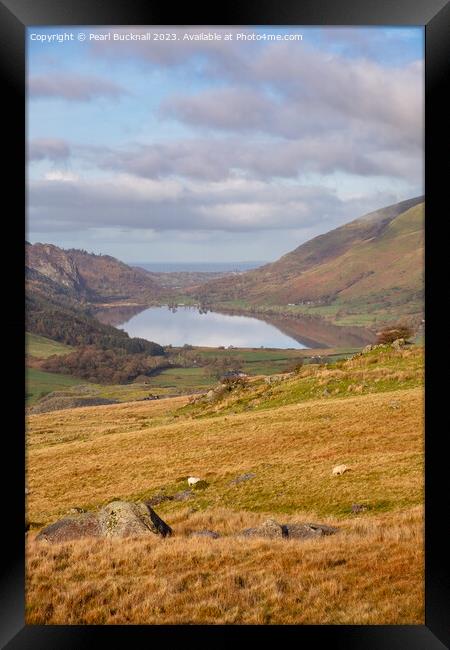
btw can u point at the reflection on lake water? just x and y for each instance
(187, 325)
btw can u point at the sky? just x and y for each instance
(217, 144)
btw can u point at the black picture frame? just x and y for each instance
(15, 16)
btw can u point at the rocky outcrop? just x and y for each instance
(271, 529)
(55, 264)
(124, 519)
(117, 519)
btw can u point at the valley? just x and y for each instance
(121, 406)
(85, 302)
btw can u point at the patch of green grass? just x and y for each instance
(42, 347)
(39, 383)
(380, 370)
(181, 379)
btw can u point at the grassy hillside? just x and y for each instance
(39, 383)
(199, 371)
(371, 267)
(42, 347)
(366, 412)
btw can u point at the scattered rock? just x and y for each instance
(124, 519)
(159, 498)
(339, 469)
(398, 344)
(242, 478)
(275, 379)
(205, 533)
(304, 531)
(273, 530)
(70, 528)
(359, 507)
(117, 519)
(270, 529)
(74, 511)
(183, 496)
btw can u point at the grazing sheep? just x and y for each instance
(192, 480)
(340, 469)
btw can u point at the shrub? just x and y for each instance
(232, 382)
(391, 334)
(297, 366)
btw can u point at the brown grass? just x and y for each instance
(292, 449)
(371, 572)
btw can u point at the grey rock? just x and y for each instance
(273, 530)
(270, 529)
(305, 531)
(70, 528)
(117, 519)
(242, 478)
(124, 519)
(158, 498)
(205, 533)
(359, 507)
(183, 496)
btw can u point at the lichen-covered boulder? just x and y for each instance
(117, 519)
(270, 529)
(70, 528)
(125, 519)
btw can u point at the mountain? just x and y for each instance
(90, 277)
(372, 264)
(63, 287)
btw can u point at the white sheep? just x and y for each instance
(340, 469)
(192, 480)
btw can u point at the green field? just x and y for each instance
(40, 383)
(168, 382)
(41, 347)
(268, 361)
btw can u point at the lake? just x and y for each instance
(186, 325)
